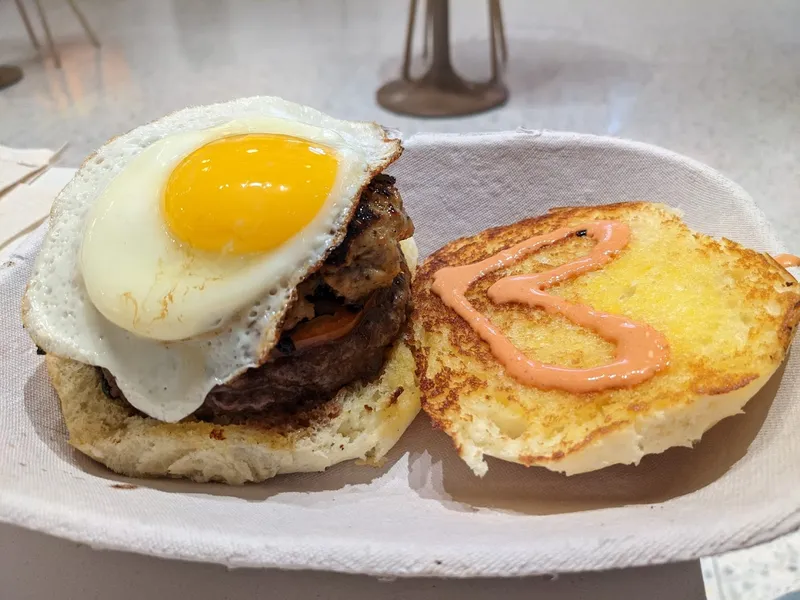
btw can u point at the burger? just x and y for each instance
(222, 295)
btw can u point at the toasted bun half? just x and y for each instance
(728, 313)
(363, 421)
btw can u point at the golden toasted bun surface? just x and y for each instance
(729, 315)
(363, 421)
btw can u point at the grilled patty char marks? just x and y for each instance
(369, 257)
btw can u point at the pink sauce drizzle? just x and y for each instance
(641, 350)
(787, 260)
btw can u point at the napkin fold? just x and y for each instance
(17, 165)
(23, 205)
(22, 208)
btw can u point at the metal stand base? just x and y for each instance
(441, 92)
(429, 98)
(9, 76)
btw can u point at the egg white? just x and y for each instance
(168, 380)
(140, 279)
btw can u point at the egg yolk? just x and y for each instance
(248, 193)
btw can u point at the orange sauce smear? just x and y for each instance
(787, 260)
(641, 351)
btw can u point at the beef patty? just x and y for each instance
(306, 378)
(365, 275)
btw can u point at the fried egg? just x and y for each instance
(174, 253)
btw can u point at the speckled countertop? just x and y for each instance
(717, 80)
